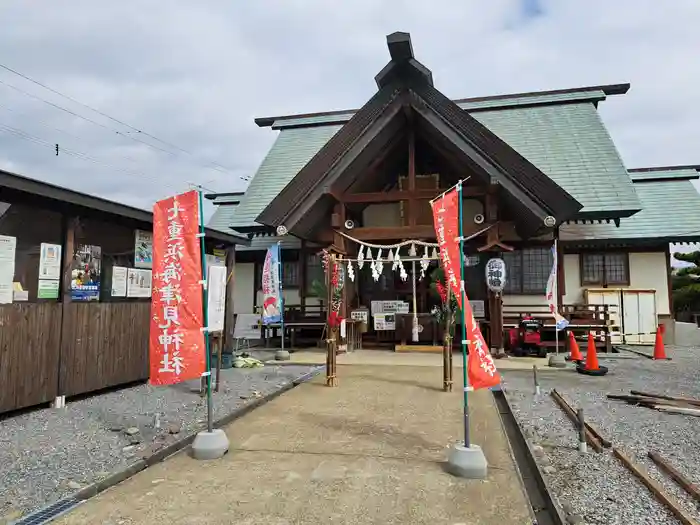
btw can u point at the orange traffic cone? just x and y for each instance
(591, 354)
(659, 350)
(574, 350)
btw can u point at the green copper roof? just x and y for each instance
(561, 134)
(670, 210)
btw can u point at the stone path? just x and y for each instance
(368, 451)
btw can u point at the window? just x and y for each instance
(315, 276)
(605, 269)
(290, 274)
(527, 271)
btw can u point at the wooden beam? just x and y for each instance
(385, 233)
(403, 195)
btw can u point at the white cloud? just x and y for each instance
(195, 74)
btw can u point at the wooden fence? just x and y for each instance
(51, 349)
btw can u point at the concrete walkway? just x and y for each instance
(368, 451)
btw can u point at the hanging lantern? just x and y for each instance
(496, 275)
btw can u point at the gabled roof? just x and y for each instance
(51, 195)
(670, 210)
(406, 84)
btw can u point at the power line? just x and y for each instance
(75, 153)
(212, 165)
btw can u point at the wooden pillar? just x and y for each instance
(561, 281)
(229, 319)
(413, 203)
(338, 222)
(303, 276)
(331, 333)
(68, 253)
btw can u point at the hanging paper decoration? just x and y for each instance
(361, 257)
(397, 261)
(402, 272)
(390, 257)
(368, 255)
(379, 263)
(351, 271)
(424, 263)
(412, 251)
(436, 255)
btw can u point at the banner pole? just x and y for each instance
(205, 292)
(281, 275)
(465, 376)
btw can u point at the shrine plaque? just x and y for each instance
(478, 309)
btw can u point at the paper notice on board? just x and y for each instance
(48, 289)
(50, 261)
(8, 248)
(119, 275)
(139, 283)
(216, 298)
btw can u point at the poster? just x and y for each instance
(50, 261)
(138, 282)
(272, 292)
(216, 298)
(176, 340)
(218, 258)
(384, 322)
(119, 281)
(85, 273)
(8, 249)
(143, 249)
(48, 289)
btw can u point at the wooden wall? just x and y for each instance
(30, 339)
(46, 351)
(103, 345)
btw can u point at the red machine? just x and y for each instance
(526, 339)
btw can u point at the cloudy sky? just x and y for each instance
(189, 77)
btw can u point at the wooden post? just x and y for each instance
(331, 333)
(68, 253)
(219, 342)
(229, 318)
(447, 347)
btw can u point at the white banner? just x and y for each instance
(216, 298)
(552, 296)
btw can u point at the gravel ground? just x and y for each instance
(47, 454)
(596, 487)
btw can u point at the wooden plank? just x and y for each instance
(687, 400)
(675, 475)
(419, 348)
(655, 488)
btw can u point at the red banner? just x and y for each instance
(481, 369)
(176, 349)
(446, 219)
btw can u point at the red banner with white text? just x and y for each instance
(481, 369)
(176, 345)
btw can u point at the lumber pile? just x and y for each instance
(670, 404)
